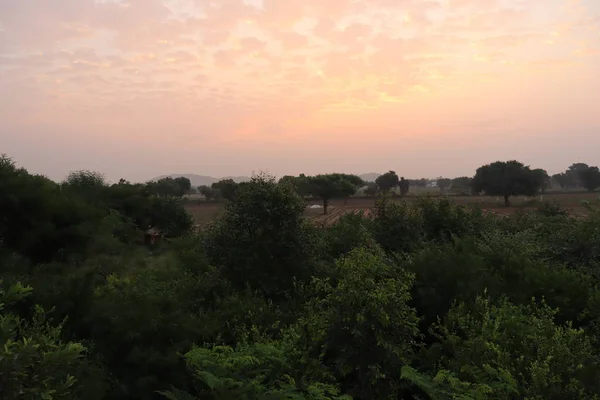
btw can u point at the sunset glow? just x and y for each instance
(140, 88)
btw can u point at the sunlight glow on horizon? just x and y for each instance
(140, 88)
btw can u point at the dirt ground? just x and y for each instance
(203, 213)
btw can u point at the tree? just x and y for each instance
(84, 180)
(331, 186)
(562, 179)
(590, 178)
(207, 192)
(183, 184)
(542, 179)
(574, 174)
(404, 186)
(387, 181)
(261, 240)
(463, 184)
(361, 325)
(299, 183)
(444, 184)
(506, 178)
(169, 187)
(226, 187)
(34, 363)
(371, 189)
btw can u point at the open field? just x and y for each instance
(203, 213)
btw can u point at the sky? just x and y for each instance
(427, 88)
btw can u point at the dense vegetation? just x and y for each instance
(421, 301)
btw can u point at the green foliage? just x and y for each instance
(251, 371)
(265, 305)
(34, 362)
(361, 327)
(514, 351)
(397, 227)
(273, 247)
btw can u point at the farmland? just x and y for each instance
(204, 212)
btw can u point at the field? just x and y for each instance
(203, 213)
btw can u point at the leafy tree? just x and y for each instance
(590, 178)
(571, 178)
(361, 326)
(387, 181)
(207, 192)
(404, 186)
(542, 179)
(184, 185)
(444, 184)
(562, 179)
(331, 186)
(251, 371)
(226, 187)
(38, 220)
(500, 350)
(85, 180)
(169, 187)
(299, 183)
(463, 184)
(170, 217)
(273, 247)
(34, 362)
(574, 173)
(371, 189)
(510, 178)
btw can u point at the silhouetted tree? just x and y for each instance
(226, 187)
(387, 181)
(444, 184)
(506, 178)
(330, 186)
(590, 178)
(371, 189)
(404, 186)
(207, 192)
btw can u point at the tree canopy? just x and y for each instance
(387, 181)
(506, 179)
(590, 178)
(418, 299)
(331, 186)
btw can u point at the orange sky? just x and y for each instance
(140, 88)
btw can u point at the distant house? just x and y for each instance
(432, 183)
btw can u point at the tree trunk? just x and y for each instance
(325, 205)
(506, 202)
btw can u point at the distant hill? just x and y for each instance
(199, 180)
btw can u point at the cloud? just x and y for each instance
(269, 67)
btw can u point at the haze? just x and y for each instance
(142, 88)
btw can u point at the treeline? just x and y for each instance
(420, 300)
(505, 179)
